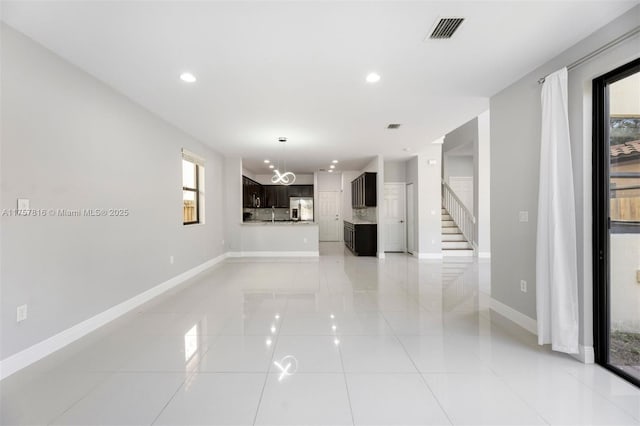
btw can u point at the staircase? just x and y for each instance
(453, 241)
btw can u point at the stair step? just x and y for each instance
(448, 223)
(453, 237)
(451, 230)
(446, 216)
(455, 245)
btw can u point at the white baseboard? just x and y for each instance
(274, 254)
(457, 253)
(586, 355)
(519, 318)
(430, 256)
(34, 353)
(484, 255)
(381, 255)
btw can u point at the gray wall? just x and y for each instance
(457, 165)
(69, 141)
(515, 139)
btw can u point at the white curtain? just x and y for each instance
(556, 256)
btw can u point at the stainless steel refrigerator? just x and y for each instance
(301, 208)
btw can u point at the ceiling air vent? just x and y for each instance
(445, 28)
(393, 126)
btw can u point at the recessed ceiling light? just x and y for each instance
(331, 171)
(267, 161)
(332, 166)
(335, 161)
(187, 77)
(271, 166)
(373, 77)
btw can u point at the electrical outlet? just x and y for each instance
(21, 313)
(305, 240)
(171, 260)
(523, 216)
(523, 286)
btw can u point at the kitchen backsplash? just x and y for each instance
(367, 213)
(265, 214)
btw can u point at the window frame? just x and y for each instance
(195, 190)
(602, 226)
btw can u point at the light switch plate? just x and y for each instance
(523, 216)
(23, 204)
(21, 313)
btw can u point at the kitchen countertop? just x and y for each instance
(358, 221)
(276, 223)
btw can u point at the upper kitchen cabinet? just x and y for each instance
(363, 191)
(276, 196)
(300, 190)
(252, 193)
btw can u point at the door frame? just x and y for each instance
(410, 208)
(601, 222)
(403, 185)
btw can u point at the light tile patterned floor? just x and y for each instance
(338, 340)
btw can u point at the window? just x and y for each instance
(616, 220)
(192, 189)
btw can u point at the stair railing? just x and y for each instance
(461, 216)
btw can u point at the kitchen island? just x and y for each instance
(278, 239)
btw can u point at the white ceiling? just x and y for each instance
(296, 69)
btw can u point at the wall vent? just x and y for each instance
(445, 27)
(393, 126)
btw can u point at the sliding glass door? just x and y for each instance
(616, 186)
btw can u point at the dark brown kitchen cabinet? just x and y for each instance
(363, 191)
(361, 239)
(276, 196)
(252, 193)
(300, 190)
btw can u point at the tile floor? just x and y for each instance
(338, 340)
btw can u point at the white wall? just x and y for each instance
(427, 200)
(457, 165)
(395, 171)
(248, 174)
(233, 203)
(347, 177)
(482, 185)
(279, 239)
(301, 179)
(515, 139)
(69, 141)
(329, 181)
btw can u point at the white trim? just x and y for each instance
(34, 353)
(519, 318)
(381, 255)
(274, 254)
(585, 355)
(457, 253)
(429, 255)
(484, 255)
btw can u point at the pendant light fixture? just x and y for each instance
(283, 177)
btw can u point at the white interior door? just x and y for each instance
(394, 217)
(410, 220)
(462, 186)
(329, 219)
